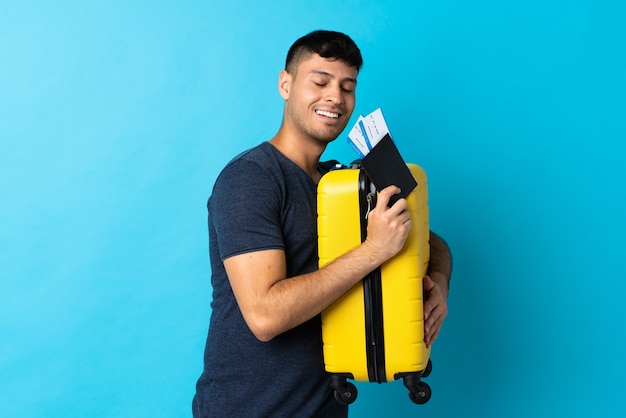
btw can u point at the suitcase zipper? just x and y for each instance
(370, 202)
(372, 291)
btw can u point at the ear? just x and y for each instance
(284, 84)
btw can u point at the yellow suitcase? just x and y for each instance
(375, 332)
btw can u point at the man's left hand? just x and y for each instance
(435, 309)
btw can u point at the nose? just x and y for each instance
(334, 94)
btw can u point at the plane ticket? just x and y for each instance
(367, 132)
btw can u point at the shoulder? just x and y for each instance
(245, 204)
(256, 163)
(252, 176)
(259, 158)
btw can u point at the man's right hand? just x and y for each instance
(388, 227)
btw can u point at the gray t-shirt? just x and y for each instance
(260, 201)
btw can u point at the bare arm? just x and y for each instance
(271, 303)
(436, 286)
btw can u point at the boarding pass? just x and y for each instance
(367, 132)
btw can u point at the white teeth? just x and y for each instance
(327, 114)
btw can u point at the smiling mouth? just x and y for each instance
(327, 114)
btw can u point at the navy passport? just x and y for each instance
(384, 166)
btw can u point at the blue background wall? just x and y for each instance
(115, 118)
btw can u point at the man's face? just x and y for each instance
(319, 97)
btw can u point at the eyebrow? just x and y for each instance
(327, 74)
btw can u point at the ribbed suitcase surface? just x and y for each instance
(375, 332)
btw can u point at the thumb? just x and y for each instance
(428, 283)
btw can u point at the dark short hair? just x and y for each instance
(326, 44)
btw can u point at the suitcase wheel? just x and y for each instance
(346, 393)
(420, 393)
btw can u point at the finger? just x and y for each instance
(402, 222)
(430, 339)
(436, 321)
(432, 328)
(386, 194)
(400, 208)
(432, 296)
(428, 309)
(430, 302)
(434, 314)
(433, 320)
(428, 283)
(429, 320)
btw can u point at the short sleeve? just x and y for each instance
(245, 209)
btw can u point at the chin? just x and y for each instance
(326, 138)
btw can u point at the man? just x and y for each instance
(263, 355)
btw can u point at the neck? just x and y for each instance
(305, 154)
